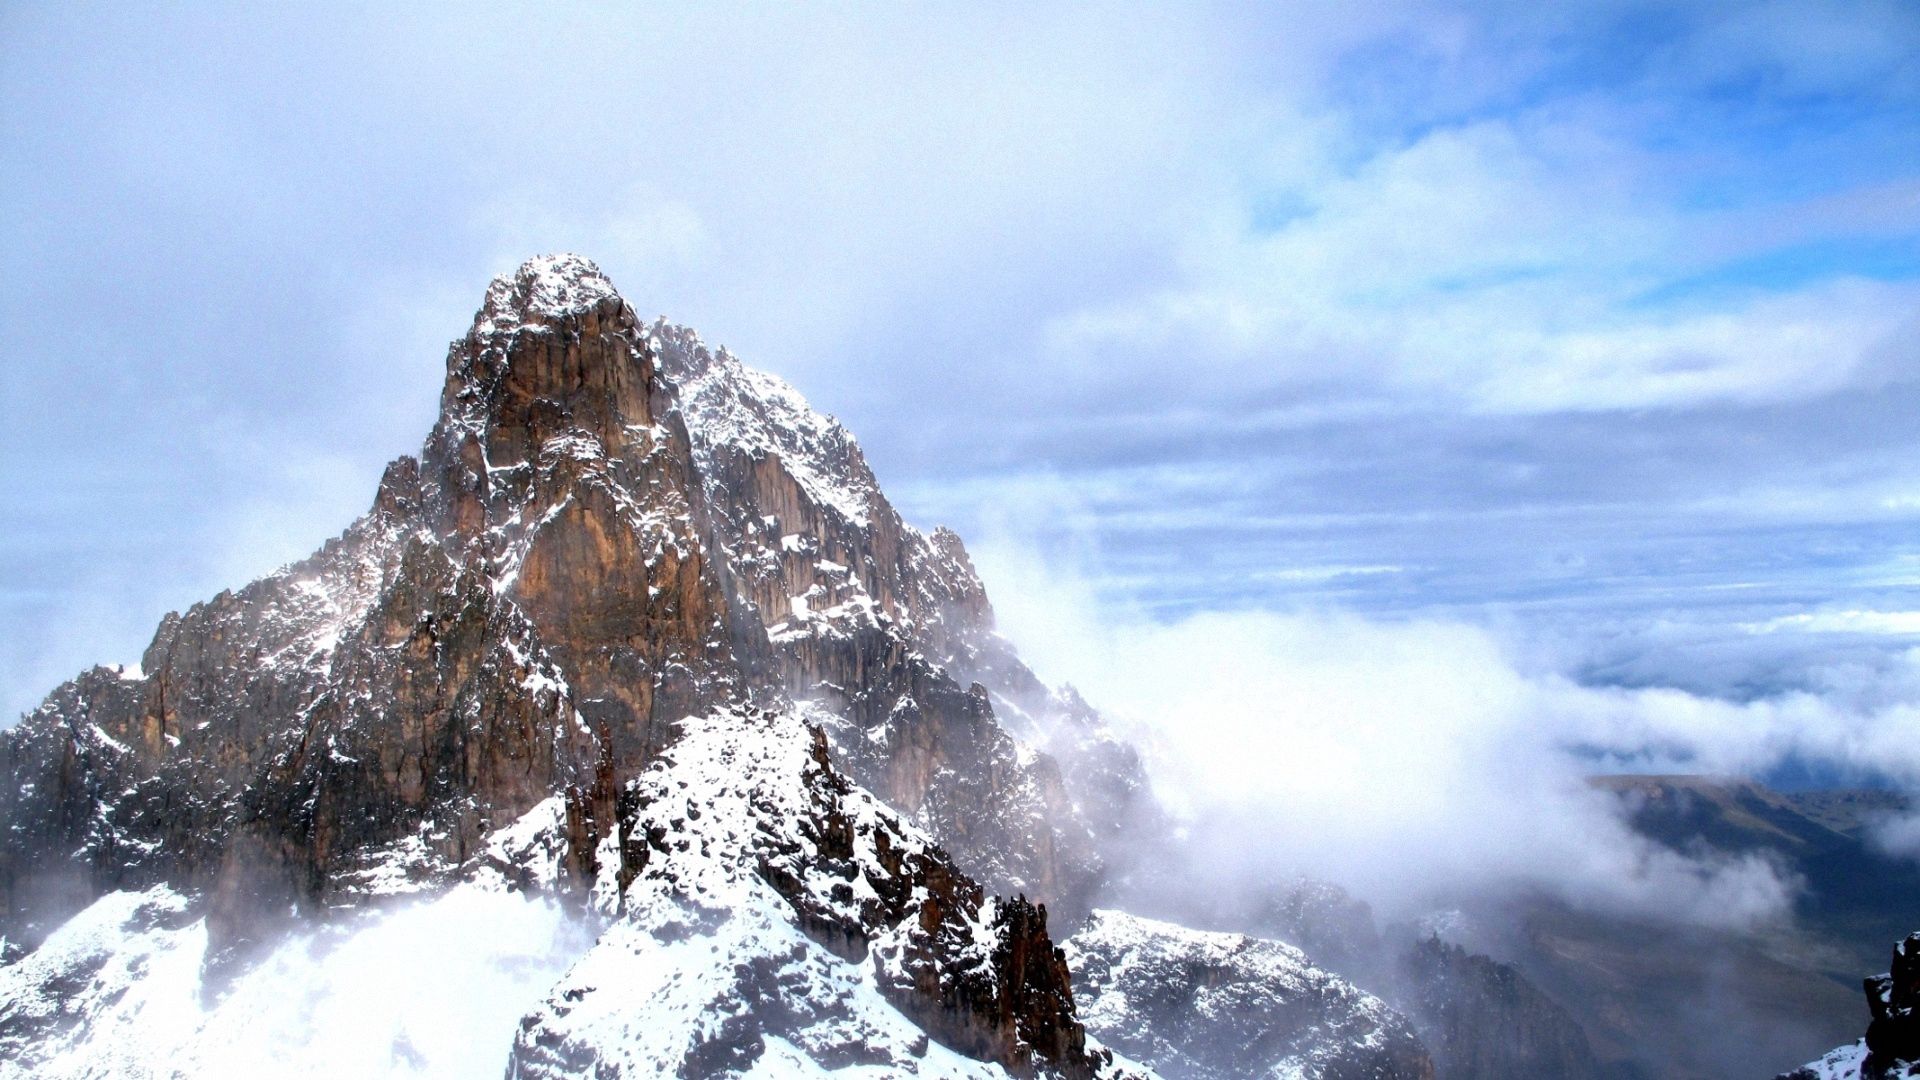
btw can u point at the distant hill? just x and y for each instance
(1659, 1000)
(1857, 898)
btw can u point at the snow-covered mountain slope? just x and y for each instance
(707, 971)
(1215, 1006)
(780, 922)
(1843, 1063)
(431, 989)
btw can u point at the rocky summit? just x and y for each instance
(1891, 1048)
(637, 668)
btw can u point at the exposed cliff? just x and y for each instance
(1482, 1018)
(1891, 1048)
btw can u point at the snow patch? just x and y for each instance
(429, 990)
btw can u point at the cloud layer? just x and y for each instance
(1428, 762)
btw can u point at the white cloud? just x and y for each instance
(1422, 761)
(1898, 835)
(1312, 574)
(1499, 265)
(1843, 622)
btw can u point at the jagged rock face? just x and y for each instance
(514, 617)
(772, 919)
(1893, 1038)
(561, 465)
(1214, 1006)
(809, 520)
(1891, 1049)
(284, 735)
(1482, 1018)
(777, 903)
(490, 678)
(890, 630)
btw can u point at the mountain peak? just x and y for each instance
(552, 348)
(637, 630)
(544, 289)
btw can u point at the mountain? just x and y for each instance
(1855, 896)
(1216, 1006)
(1485, 1019)
(1658, 998)
(631, 728)
(1475, 1016)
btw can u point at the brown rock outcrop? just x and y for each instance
(520, 610)
(1893, 1037)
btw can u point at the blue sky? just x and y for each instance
(1594, 327)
